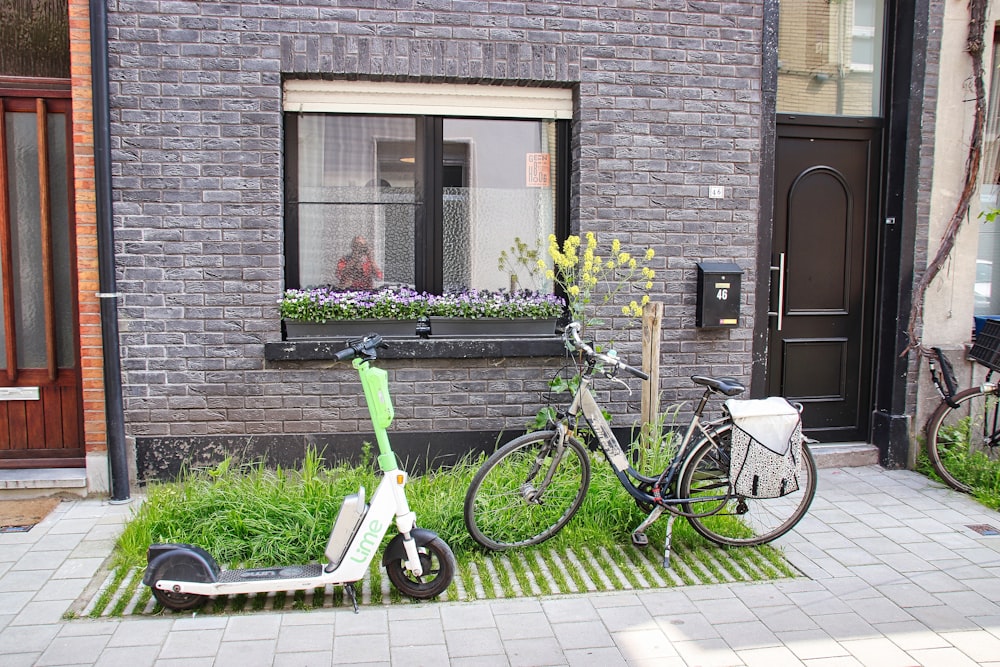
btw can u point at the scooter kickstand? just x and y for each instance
(354, 595)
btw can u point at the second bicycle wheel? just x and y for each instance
(730, 520)
(964, 438)
(526, 491)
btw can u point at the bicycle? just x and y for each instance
(966, 425)
(531, 487)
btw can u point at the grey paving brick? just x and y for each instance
(496, 660)
(943, 657)
(416, 633)
(305, 638)
(133, 656)
(785, 619)
(845, 626)
(73, 650)
(191, 644)
(48, 561)
(910, 635)
(28, 639)
(62, 589)
(682, 627)
(471, 642)
(812, 645)
(40, 613)
(151, 632)
(595, 657)
(430, 655)
(773, 656)
(578, 609)
(530, 652)
(349, 649)
(707, 652)
(311, 659)
(20, 659)
(581, 634)
(526, 626)
(879, 610)
(877, 651)
(245, 653)
(251, 627)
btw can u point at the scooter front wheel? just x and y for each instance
(438, 563)
(179, 601)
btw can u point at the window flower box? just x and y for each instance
(345, 330)
(491, 327)
(324, 313)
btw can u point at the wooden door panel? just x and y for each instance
(39, 335)
(821, 283)
(823, 219)
(815, 369)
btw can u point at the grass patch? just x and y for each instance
(258, 517)
(977, 469)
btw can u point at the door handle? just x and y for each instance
(780, 268)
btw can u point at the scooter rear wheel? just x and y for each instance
(438, 564)
(179, 601)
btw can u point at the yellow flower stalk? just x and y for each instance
(590, 280)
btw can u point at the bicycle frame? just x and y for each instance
(584, 403)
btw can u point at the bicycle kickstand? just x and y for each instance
(666, 545)
(639, 538)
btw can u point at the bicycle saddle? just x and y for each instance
(727, 386)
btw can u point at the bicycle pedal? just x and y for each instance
(640, 539)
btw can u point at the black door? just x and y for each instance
(820, 338)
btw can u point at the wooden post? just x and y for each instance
(652, 322)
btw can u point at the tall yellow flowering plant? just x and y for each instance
(590, 279)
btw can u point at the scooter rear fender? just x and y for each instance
(180, 562)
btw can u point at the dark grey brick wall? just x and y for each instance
(668, 104)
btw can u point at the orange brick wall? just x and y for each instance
(91, 355)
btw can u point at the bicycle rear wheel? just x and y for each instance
(509, 504)
(731, 520)
(962, 438)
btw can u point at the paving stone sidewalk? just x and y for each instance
(895, 576)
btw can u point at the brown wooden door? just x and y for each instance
(41, 420)
(820, 347)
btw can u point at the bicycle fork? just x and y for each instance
(531, 493)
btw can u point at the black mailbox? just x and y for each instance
(718, 295)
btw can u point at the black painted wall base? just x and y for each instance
(164, 458)
(891, 434)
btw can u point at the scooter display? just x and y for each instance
(418, 562)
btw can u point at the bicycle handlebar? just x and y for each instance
(572, 336)
(362, 347)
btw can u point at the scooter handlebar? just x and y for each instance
(362, 347)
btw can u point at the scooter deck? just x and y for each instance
(270, 573)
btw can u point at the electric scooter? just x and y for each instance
(419, 563)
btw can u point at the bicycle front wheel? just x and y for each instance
(723, 517)
(526, 491)
(959, 438)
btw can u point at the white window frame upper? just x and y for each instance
(434, 99)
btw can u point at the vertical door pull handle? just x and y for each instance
(780, 268)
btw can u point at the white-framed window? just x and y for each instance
(431, 183)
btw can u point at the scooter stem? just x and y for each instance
(375, 382)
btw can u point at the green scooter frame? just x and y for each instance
(418, 562)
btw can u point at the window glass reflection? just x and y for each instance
(830, 57)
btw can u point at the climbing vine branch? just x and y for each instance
(974, 45)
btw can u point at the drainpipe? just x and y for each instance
(113, 408)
